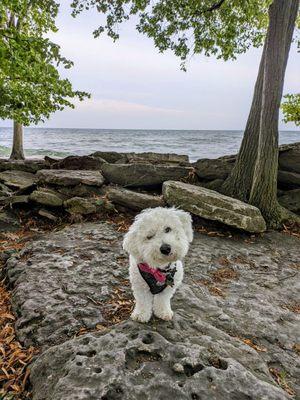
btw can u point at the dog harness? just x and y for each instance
(157, 279)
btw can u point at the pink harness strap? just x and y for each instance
(158, 275)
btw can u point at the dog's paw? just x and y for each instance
(140, 317)
(166, 315)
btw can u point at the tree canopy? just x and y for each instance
(30, 85)
(221, 28)
(291, 108)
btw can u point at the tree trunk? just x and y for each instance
(282, 17)
(17, 149)
(239, 182)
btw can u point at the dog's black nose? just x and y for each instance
(165, 249)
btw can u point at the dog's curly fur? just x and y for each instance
(151, 229)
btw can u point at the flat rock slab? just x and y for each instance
(63, 177)
(214, 206)
(148, 157)
(17, 179)
(235, 320)
(134, 200)
(28, 165)
(78, 162)
(137, 175)
(59, 281)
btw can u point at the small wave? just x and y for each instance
(37, 153)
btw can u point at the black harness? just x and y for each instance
(156, 286)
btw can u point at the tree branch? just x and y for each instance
(215, 6)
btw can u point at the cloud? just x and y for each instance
(119, 107)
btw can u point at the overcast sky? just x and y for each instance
(133, 86)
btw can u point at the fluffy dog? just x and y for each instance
(157, 241)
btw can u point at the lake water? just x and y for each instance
(39, 142)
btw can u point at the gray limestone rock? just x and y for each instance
(143, 174)
(214, 206)
(63, 177)
(16, 179)
(46, 197)
(133, 200)
(235, 320)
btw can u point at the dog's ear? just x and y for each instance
(186, 221)
(129, 243)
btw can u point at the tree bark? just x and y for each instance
(17, 149)
(282, 17)
(239, 182)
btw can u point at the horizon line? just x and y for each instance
(145, 129)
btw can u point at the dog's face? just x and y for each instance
(159, 236)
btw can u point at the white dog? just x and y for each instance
(157, 241)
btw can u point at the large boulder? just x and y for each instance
(291, 200)
(138, 175)
(157, 158)
(64, 177)
(28, 165)
(288, 180)
(46, 197)
(148, 157)
(211, 169)
(79, 162)
(133, 200)
(289, 159)
(234, 332)
(214, 206)
(16, 179)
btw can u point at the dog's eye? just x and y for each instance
(150, 237)
(168, 229)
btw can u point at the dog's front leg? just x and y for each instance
(143, 306)
(162, 304)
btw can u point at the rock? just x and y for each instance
(79, 205)
(14, 200)
(214, 206)
(134, 200)
(108, 156)
(113, 157)
(290, 180)
(139, 175)
(28, 165)
(4, 191)
(81, 191)
(67, 275)
(79, 162)
(64, 177)
(47, 214)
(210, 169)
(17, 179)
(77, 278)
(291, 200)
(9, 222)
(212, 185)
(289, 160)
(157, 158)
(46, 197)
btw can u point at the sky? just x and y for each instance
(133, 86)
